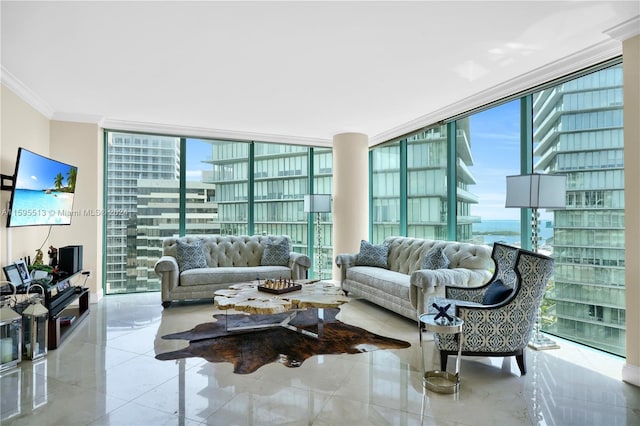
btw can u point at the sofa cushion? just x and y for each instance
(372, 255)
(436, 259)
(232, 274)
(276, 253)
(388, 282)
(496, 293)
(190, 255)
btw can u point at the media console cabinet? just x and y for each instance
(63, 318)
(64, 315)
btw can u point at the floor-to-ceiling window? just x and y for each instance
(323, 184)
(281, 179)
(574, 128)
(487, 150)
(142, 180)
(385, 191)
(578, 131)
(427, 183)
(230, 188)
(229, 174)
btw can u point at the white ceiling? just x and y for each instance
(295, 71)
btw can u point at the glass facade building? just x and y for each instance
(230, 188)
(578, 131)
(409, 185)
(130, 159)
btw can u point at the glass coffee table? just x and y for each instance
(283, 308)
(437, 380)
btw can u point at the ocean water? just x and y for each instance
(503, 230)
(39, 208)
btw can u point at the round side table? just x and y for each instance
(436, 380)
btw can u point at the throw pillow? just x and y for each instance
(276, 252)
(372, 255)
(190, 255)
(435, 259)
(496, 293)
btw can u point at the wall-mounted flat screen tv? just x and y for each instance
(43, 191)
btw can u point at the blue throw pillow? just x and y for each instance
(496, 293)
(436, 259)
(372, 255)
(190, 255)
(276, 252)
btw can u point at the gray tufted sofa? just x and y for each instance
(229, 259)
(403, 287)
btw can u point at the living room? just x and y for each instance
(79, 139)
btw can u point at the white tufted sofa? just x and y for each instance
(230, 259)
(403, 287)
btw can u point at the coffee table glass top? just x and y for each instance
(246, 297)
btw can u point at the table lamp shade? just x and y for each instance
(318, 203)
(536, 191)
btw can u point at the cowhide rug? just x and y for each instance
(250, 350)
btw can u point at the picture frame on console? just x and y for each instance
(21, 266)
(12, 274)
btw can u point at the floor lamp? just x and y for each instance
(318, 203)
(537, 191)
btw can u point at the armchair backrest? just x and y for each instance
(504, 257)
(533, 272)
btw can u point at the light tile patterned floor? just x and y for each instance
(106, 374)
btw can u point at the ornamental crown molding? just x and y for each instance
(601, 52)
(25, 93)
(625, 30)
(207, 133)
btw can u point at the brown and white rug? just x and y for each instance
(250, 350)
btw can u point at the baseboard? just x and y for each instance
(96, 297)
(631, 374)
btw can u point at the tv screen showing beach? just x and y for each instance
(43, 191)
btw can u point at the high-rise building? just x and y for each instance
(158, 217)
(427, 201)
(131, 157)
(578, 131)
(279, 181)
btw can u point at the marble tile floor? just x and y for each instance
(105, 373)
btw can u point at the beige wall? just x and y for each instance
(74, 143)
(631, 70)
(80, 144)
(22, 126)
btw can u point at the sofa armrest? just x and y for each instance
(424, 282)
(344, 261)
(167, 268)
(299, 264)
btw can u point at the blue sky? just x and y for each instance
(495, 144)
(37, 172)
(197, 151)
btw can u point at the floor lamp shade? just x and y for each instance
(536, 191)
(318, 203)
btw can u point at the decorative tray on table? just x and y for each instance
(279, 286)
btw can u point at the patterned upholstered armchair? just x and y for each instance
(504, 328)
